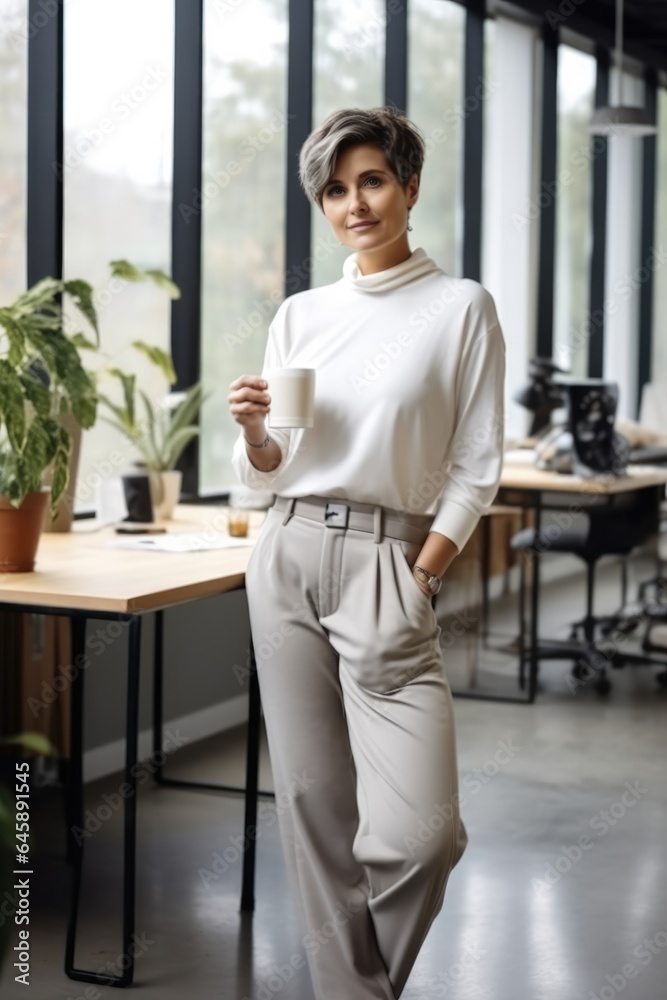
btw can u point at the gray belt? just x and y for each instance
(357, 516)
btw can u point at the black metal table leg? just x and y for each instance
(522, 620)
(252, 775)
(75, 808)
(158, 660)
(535, 604)
(130, 832)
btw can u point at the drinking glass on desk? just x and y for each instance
(237, 522)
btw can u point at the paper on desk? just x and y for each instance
(180, 543)
(520, 456)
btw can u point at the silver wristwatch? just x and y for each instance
(434, 582)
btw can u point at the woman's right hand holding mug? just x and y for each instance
(249, 404)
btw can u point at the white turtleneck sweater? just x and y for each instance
(410, 368)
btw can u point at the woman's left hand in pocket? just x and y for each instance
(422, 584)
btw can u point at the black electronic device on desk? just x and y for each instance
(587, 445)
(139, 520)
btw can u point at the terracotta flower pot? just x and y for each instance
(20, 531)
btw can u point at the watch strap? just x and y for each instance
(434, 582)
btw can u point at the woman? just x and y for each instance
(374, 502)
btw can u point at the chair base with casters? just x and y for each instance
(626, 521)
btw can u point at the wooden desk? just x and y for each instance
(81, 576)
(530, 486)
(81, 569)
(527, 477)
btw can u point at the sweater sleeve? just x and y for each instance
(256, 479)
(475, 454)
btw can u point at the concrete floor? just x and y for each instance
(528, 914)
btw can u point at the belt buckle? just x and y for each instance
(336, 515)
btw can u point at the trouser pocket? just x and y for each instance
(384, 626)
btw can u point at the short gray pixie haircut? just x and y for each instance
(388, 128)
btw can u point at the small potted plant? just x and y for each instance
(42, 377)
(160, 432)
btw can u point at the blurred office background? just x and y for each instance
(560, 225)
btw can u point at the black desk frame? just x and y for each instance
(554, 649)
(74, 787)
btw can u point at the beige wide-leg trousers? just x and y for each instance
(361, 735)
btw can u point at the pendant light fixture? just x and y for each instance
(620, 119)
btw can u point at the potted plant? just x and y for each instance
(42, 377)
(159, 432)
(126, 271)
(45, 394)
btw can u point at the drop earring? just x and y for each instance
(409, 225)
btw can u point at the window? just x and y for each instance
(13, 123)
(118, 117)
(510, 230)
(576, 93)
(348, 60)
(659, 367)
(623, 263)
(243, 213)
(435, 103)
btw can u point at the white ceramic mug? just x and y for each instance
(292, 392)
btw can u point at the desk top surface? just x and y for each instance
(82, 570)
(527, 477)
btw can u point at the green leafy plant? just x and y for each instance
(41, 377)
(159, 432)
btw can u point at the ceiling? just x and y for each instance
(645, 23)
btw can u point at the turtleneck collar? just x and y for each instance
(417, 265)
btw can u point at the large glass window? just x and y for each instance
(435, 103)
(117, 172)
(13, 143)
(510, 230)
(659, 372)
(623, 263)
(243, 213)
(348, 72)
(576, 96)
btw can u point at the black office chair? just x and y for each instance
(618, 524)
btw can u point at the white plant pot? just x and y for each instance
(165, 492)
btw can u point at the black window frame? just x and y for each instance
(45, 184)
